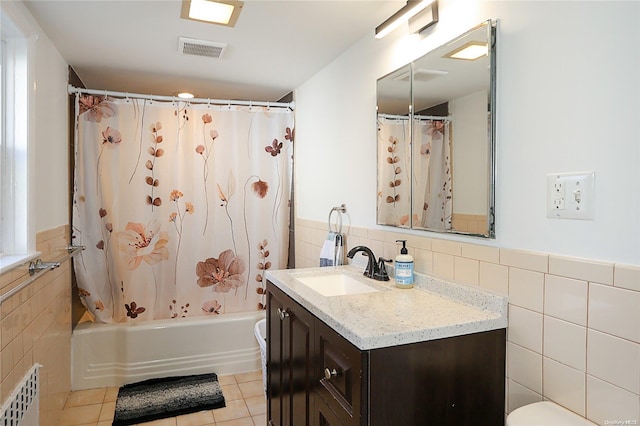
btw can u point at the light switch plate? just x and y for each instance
(571, 195)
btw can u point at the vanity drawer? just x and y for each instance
(339, 374)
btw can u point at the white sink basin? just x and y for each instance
(337, 284)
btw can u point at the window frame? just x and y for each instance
(17, 130)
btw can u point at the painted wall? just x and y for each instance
(568, 100)
(51, 146)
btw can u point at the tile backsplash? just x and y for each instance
(574, 324)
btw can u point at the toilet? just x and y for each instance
(545, 413)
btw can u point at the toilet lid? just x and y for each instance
(545, 413)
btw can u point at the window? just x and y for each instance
(17, 239)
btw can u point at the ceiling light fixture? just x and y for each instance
(412, 8)
(469, 51)
(223, 12)
(185, 95)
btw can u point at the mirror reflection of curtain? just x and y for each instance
(182, 207)
(432, 193)
(394, 165)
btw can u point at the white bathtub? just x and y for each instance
(116, 354)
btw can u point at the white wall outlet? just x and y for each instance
(570, 195)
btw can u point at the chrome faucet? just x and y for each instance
(376, 271)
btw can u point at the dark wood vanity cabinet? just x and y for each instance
(317, 377)
(290, 363)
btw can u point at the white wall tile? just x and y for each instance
(564, 385)
(614, 360)
(566, 299)
(615, 311)
(525, 260)
(466, 271)
(494, 278)
(423, 261)
(582, 269)
(520, 396)
(446, 246)
(526, 289)
(478, 252)
(627, 276)
(525, 328)
(443, 265)
(565, 342)
(525, 367)
(611, 405)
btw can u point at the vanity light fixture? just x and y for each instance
(469, 51)
(408, 11)
(222, 12)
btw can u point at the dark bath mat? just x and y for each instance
(167, 397)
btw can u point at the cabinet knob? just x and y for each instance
(328, 374)
(282, 313)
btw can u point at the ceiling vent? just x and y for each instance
(209, 49)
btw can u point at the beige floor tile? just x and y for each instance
(107, 412)
(111, 395)
(236, 409)
(196, 419)
(253, 388)
(256, 405)
(249, 377)
(243, 394)
(86, 397)
(162, 422)
(231, 392)
(228, 379)
(80, 415)
(260, 420)
(245, 421)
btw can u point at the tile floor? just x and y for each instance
(243, 393)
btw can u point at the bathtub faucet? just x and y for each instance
(376, 271)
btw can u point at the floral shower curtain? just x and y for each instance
(432, 193)
(181, 207)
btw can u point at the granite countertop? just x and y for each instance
(433, 309)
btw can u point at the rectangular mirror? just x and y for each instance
(436, 146)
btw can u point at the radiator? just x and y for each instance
(22, 406)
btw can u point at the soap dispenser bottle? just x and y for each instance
(403, 269)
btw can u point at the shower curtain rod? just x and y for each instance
(394, 116)
(433, 117)
(77, 90)
(419, 117)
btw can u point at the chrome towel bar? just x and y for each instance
(38, 266)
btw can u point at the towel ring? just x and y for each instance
(338, 223)
(339, 211)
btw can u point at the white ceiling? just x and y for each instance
(132, 46)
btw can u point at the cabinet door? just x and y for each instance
(289, 360)
(340, 367)
(323, 415)
(451, 381)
